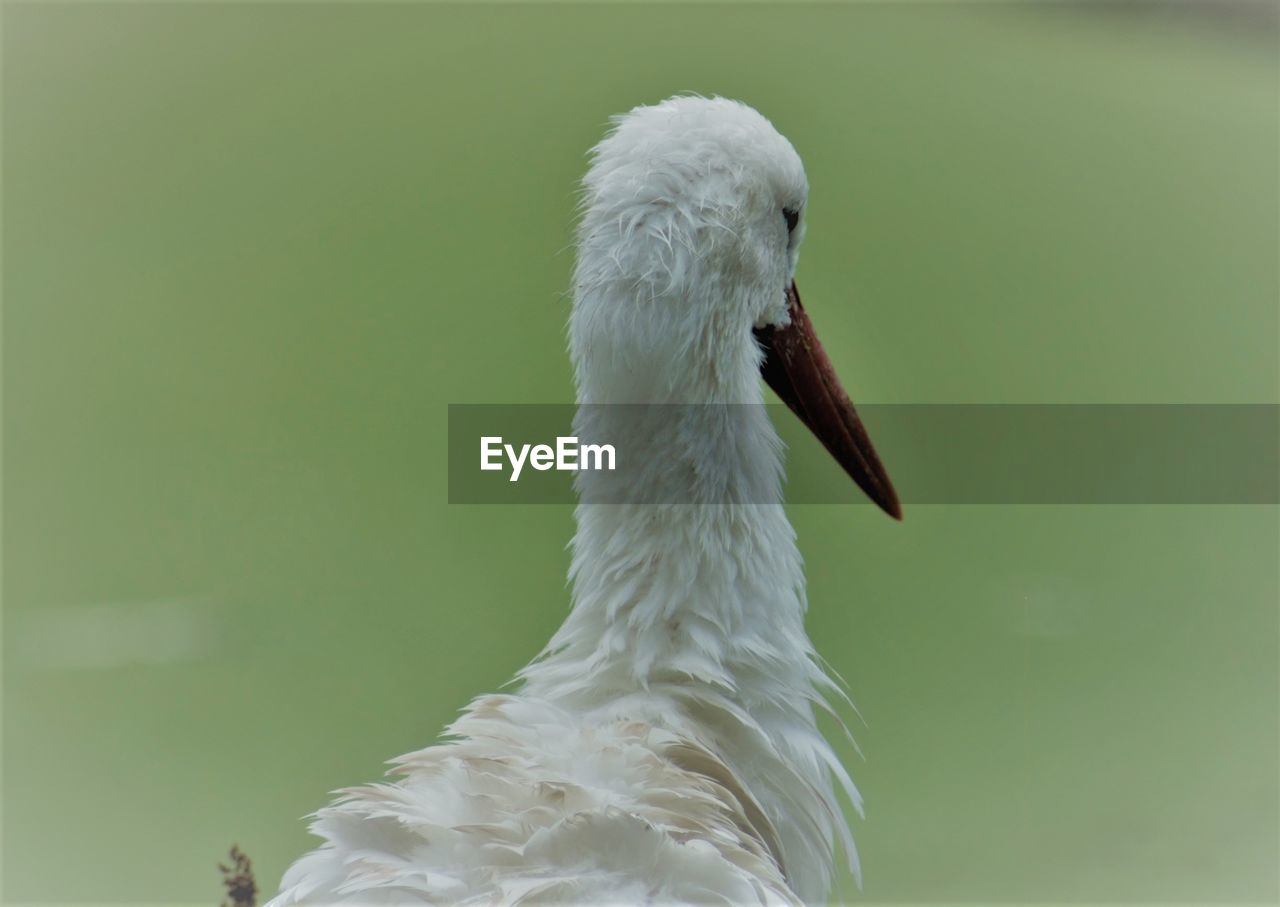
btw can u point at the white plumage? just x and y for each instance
(663, 747)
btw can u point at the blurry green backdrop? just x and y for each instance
(251, 251)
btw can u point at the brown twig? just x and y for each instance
(238, 880)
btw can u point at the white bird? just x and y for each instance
(663, 748)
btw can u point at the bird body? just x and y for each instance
(663, 748)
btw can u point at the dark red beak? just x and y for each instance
(798, 370)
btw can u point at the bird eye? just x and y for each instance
(793, 217)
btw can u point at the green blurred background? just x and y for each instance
(251, 252)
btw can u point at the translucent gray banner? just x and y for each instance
(935, 453)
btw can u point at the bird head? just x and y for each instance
(698, 201)
(684, 286)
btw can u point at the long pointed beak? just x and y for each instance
(798, 370)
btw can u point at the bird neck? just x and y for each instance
(697, 582)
